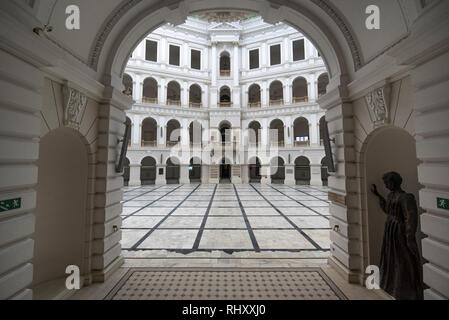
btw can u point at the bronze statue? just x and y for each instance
(400, 262)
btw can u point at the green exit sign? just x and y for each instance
(443, 203)
(11, 204)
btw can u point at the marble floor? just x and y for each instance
(225, 221)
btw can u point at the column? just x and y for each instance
(163, 51)
(106, 257)
(204, 173)
(160, 174)
(290, 174)
(236, 174)
(236, 65)
(287, 94)
(264, 53)
(214, 70)
(265, 173)
(264, 94)
(138, 94)
(184, 175)
(315, 175)
(245, 173)
(265, 130)
(136, 131)
(185, 94)
(313, 132)
(134, 175)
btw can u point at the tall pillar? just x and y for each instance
(107, 258)
(214, 66)
(138, 91)
(265, 174)
(204, 173)
(290, 174)
(236, 65)
(214, 174)
(134, 175)
(160, 174)
(184, 174)
(236, 174)
(315, 175)
(245, 173)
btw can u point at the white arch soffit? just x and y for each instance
(146, 20)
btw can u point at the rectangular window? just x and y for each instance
(151, 51)
(254, 59)
(275, 54)
(195, 62)
(298, 50)
(174, 55)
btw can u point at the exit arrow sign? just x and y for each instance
(443, 203)
(11, 204)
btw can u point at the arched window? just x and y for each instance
(276, 93)
(277, 133)
(254, 129)
(150, 91)
(254, 166)
(173, 94)
(226, 131)
(323, 125)
(324, 172)
(128, 84)
(173, 170)
(149, 133)
(148, 171)
(195, 170)
(126, 172)
(195, 96)
(301, 132)
(323, 82)
(173, 133)
(254, 96)
(225, 97)
(195, 134)
(225, 65)
(277, 170)
(128, 122)
(300, 90)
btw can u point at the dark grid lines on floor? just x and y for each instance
(225, 217)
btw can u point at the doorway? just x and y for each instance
(61, 210)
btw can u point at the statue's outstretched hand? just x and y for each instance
(374, 190)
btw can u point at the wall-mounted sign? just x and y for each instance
(11, 204)
(443, 203)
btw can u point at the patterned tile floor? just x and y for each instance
(230, 218)
(249, 284)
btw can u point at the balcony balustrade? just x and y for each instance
(171, 102)
(225, 73)
(149, 143)
(150, 100)
(254, 104)
(302, 143)
(225, 104)
(196, 105)
(300, 99)
(276, 102)
(171, 144)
